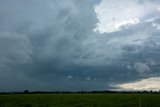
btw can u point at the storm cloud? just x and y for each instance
(77, 44)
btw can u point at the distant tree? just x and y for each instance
(26, 91)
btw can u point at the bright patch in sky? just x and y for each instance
(152, 83)
(114, 15)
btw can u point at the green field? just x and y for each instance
(80, 100)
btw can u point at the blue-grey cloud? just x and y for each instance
(52, 45)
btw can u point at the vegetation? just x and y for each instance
(81, 100)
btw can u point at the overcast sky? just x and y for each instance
(75, 45)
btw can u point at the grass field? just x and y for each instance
(80, 100)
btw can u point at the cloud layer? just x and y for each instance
(53, 45)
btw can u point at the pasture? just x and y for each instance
(80, 100)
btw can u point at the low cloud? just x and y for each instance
(141, 67)
(88, 79)
(69, 77)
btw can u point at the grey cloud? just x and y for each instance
(44, 38)
(15, 48)
(141, 67)
(52, 44)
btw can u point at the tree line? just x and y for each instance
(71, 92)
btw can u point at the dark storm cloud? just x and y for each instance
(51, 45)
(41, 40)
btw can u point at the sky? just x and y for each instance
(79, 45)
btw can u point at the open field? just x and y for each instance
(80, 100)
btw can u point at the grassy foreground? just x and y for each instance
(80, 100)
